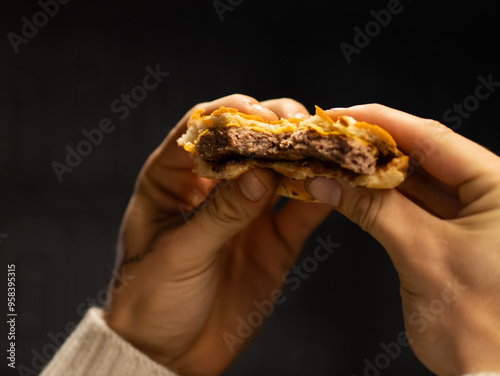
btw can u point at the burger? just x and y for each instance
(227, 143)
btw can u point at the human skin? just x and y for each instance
(441, 228)
(189, 281)
(193, 279)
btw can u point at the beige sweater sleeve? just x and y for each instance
(94, 349)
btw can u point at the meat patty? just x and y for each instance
(218, 145)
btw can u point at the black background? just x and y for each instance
(62, 235)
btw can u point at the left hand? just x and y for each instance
(193, 280)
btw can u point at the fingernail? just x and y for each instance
(300, 115)
(337, 108)
(325, 190)
(260, 108)
(251, 187)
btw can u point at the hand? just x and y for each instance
(441, 228)
(191, 275)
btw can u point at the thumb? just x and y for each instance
(233, 206)
(386, 214)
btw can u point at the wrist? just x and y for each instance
(131, 332)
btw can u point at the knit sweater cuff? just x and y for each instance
(94, 349)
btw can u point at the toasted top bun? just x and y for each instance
(389, 173)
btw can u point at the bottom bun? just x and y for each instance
(294, 174)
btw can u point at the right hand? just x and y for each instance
(441, 228)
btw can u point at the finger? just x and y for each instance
(420, 187)
(396, 222)
(450, 190)
(167, 174)
(200, 233)
(297, 219)
(443, 153)
(242, 103)
(229, 210)
(163, 190)
(286, 108)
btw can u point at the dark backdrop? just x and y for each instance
(62, 234)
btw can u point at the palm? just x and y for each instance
(221, 289)
(430, 315)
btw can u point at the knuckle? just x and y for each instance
(432, 125)
(240, 98)
(436, 130)
(366, 210)
(222, 210)
(236, 97)
(375, 107)
(295, 104)
(369, 108)
(285, 107)
(289, 101)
